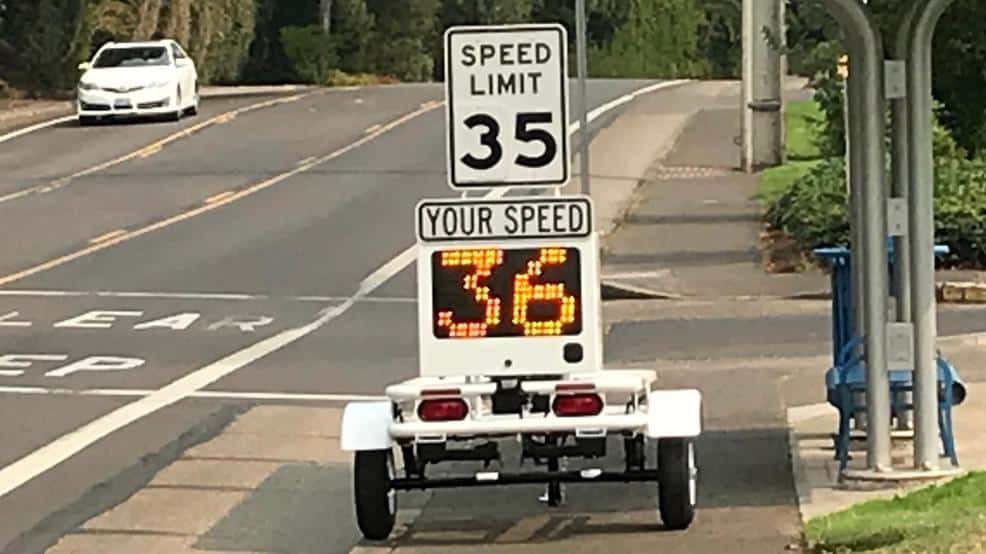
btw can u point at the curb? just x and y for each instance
(948, 292)
(955, 292)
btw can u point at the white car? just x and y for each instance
(138, 79)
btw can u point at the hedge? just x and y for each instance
(813, 212)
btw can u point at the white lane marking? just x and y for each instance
(594, 114)
(6, 320)
(37, 127)
(98, 363)
(16, 293)
(220, 395)
(97, 319)
(11, 372)
(41, 460)
(26, 390)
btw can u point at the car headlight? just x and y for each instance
(158, 84)
(87, 86)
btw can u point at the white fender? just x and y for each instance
(366, 426)
(674, 413)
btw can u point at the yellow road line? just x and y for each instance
(108, 236)
(219, 197)
(50, 264)
(154, 147)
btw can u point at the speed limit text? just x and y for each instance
(500, 56)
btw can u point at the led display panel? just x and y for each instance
(506, 292)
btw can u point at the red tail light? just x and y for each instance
(446, 409)
(576, 405)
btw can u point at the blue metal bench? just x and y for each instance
(845, 381)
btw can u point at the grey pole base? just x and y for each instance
(861, 477)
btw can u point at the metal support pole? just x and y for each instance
(854, 174)
(900, 187)
(901, 174)
(857, 162)
(580, 31)
(922, 234)
(746, 96)
(866, 54)
(762, 109)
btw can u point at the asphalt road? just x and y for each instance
(265, 252)
(97, 248)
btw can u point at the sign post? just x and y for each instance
(581, 49)
(507, 106)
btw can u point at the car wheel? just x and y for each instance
(376, 500)
(86, 120)
(678, 480)
(194, 108)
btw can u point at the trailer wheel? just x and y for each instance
(678, 482)
(376, 500)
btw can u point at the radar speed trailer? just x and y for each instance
(510, 351)
(509, 314)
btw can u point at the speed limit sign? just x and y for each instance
(507, 106)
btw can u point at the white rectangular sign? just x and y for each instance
(508, 287)
(508, 219)
(507, 105)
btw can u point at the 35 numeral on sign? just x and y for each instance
(525, 133)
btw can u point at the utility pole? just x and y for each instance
(325, 15)
(581, 47)
(763, 118)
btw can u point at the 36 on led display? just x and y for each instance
(493, 292)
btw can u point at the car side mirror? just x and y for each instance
(84, 66)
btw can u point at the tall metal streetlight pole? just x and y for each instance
(580, 32)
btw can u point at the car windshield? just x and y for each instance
(133, 57)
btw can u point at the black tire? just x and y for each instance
(678, 482)
(194, 108)
(376, 501)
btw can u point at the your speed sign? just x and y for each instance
(507, 105)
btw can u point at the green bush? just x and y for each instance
(311, 51)
(960, 211)
(338, 78)
(813, 211)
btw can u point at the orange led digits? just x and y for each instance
(483, 261)
(525, 293)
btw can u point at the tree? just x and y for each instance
(353, 26)
(960, 78)
(475, 12)
(402, 36)
(266, 61)
(656, 40)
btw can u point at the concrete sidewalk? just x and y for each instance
(817, 472)
(693, 227)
